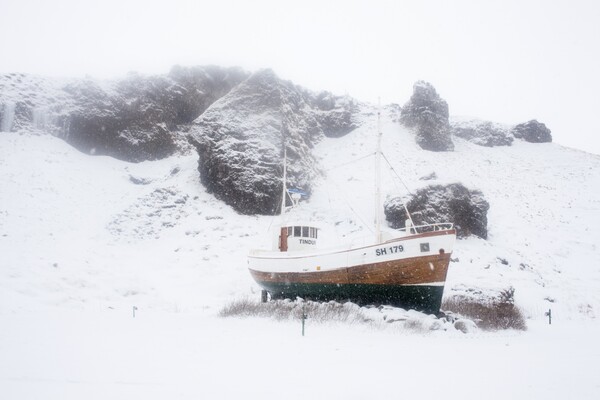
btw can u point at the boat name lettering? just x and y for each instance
(307, 241)
(389, 250)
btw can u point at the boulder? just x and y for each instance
(467, 209)
(427, 113)
(533, 132)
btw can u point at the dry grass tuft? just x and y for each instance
(287, 309)
(489, 314)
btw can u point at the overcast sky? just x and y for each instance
(506, 61)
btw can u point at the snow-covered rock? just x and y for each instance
(533, 132)
(240, 140)
(467, 209)
(427, 113)
(133, 119)
(483, 133)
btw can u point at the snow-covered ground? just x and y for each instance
(81, 244)
(165, 355)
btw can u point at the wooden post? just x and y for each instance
(303, 318)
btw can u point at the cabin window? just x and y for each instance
(302, 231)
(424, 247)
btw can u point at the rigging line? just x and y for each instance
(328, 197)
(406, 187)
(350, 162)
(395, 173)
(352, 209)
(274, 216)
(394, 181)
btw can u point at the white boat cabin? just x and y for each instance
(296, 237)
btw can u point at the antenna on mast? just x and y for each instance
(378, 176)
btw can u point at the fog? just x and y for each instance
(506, 61)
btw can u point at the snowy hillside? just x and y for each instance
(543, 218)
(84, 239)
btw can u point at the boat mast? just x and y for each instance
(378, 177)
(284, 192)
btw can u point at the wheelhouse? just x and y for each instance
(297, 237)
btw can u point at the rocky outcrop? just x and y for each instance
(482, 133)
(133, 119)
(533, 132)
(136, 119)
(427, 113)
(467, 209)
(240, 140)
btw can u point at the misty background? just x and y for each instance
(504, 61)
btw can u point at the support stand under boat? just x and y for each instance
(263, 296)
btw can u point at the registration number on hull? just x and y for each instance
(389, 250)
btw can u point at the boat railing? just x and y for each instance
(442, 226)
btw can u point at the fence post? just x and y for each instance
(303, 318)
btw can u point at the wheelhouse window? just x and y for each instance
(302, 231)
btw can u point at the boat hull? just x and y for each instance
(425, 298)
(412, 283)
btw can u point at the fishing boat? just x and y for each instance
(405, 268)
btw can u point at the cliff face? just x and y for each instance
(239, 124)
(240, 140)
(133, 119)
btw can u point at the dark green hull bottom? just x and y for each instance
(423, 298)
